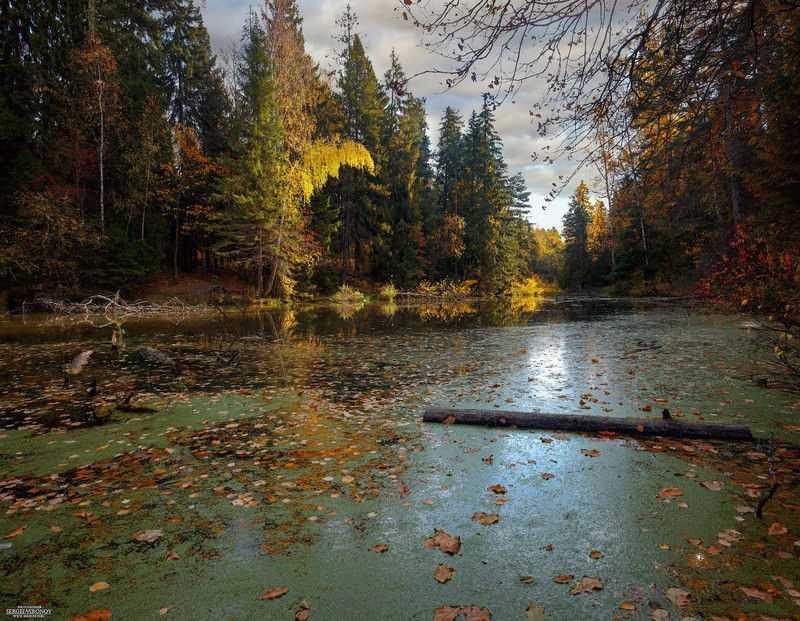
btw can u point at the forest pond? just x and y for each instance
(305, 464)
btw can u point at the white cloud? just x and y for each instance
(382, 28)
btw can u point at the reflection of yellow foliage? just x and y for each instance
(347, 311)
(445, 312)
(388, 309)
(288, 320)
(526, 304)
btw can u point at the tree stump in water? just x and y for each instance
(579, 422)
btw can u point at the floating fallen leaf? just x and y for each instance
(714, 486)
(446, 543)
(449, 420)
(165, 609)
(659, 614)
(94, 615)
(497, 489)
(743, 509)
(677, 596)
(15, 533)
(55, 529)
(488, 460)
(526, 580)
(546, 440)
(595, 554)
(85, 515)
(777, 529)
(172, 556)
(444, 573)
(149, 536)
(590, 452)
(682, 505)
(647, 408)
(547, 476)
(348, 479)
(730, 535)
(535, 613)
(586, 584)
(99, 586)
(475, 613)
(563, 578)
(303, 613)
(485, 518)
(446, 613)
(561, 436)
(274, 593)
(381, 547)
(640, 428)
(669, 492)
(626, 605)
(757, 594)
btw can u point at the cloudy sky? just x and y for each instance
(382, 28)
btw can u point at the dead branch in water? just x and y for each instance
(583, 423)
(116, 307)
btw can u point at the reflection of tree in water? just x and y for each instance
(347, 311)
(444, 312)
(526, 304)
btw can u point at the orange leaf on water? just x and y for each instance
(586, 584)
(669, 492)
(444, 573)
(777, 529)
(94, 615)
(15, 533)
(274, 593)
(485, 518)
(476, 613)
(446, 543)
(446, 613)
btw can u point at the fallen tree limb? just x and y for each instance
(577, 422)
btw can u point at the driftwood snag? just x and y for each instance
(577, 422)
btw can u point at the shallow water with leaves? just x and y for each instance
(305, 466)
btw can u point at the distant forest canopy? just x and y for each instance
(127, 149)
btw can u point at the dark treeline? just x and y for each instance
(127, 149)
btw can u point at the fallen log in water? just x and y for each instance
(578, 422)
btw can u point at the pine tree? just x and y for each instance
(576, 223)
(361, 201)
(250, 224)
(404, 129)
(445, 226)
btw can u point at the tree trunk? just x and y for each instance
(175, 250)
(260, 268)
(584, 423)
(102, 153)
(277, 254)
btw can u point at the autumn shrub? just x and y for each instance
(447, 288)
(753, 278)
(347, 295)
(531, 287)
(388, 293)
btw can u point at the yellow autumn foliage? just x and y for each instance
(323, 160)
